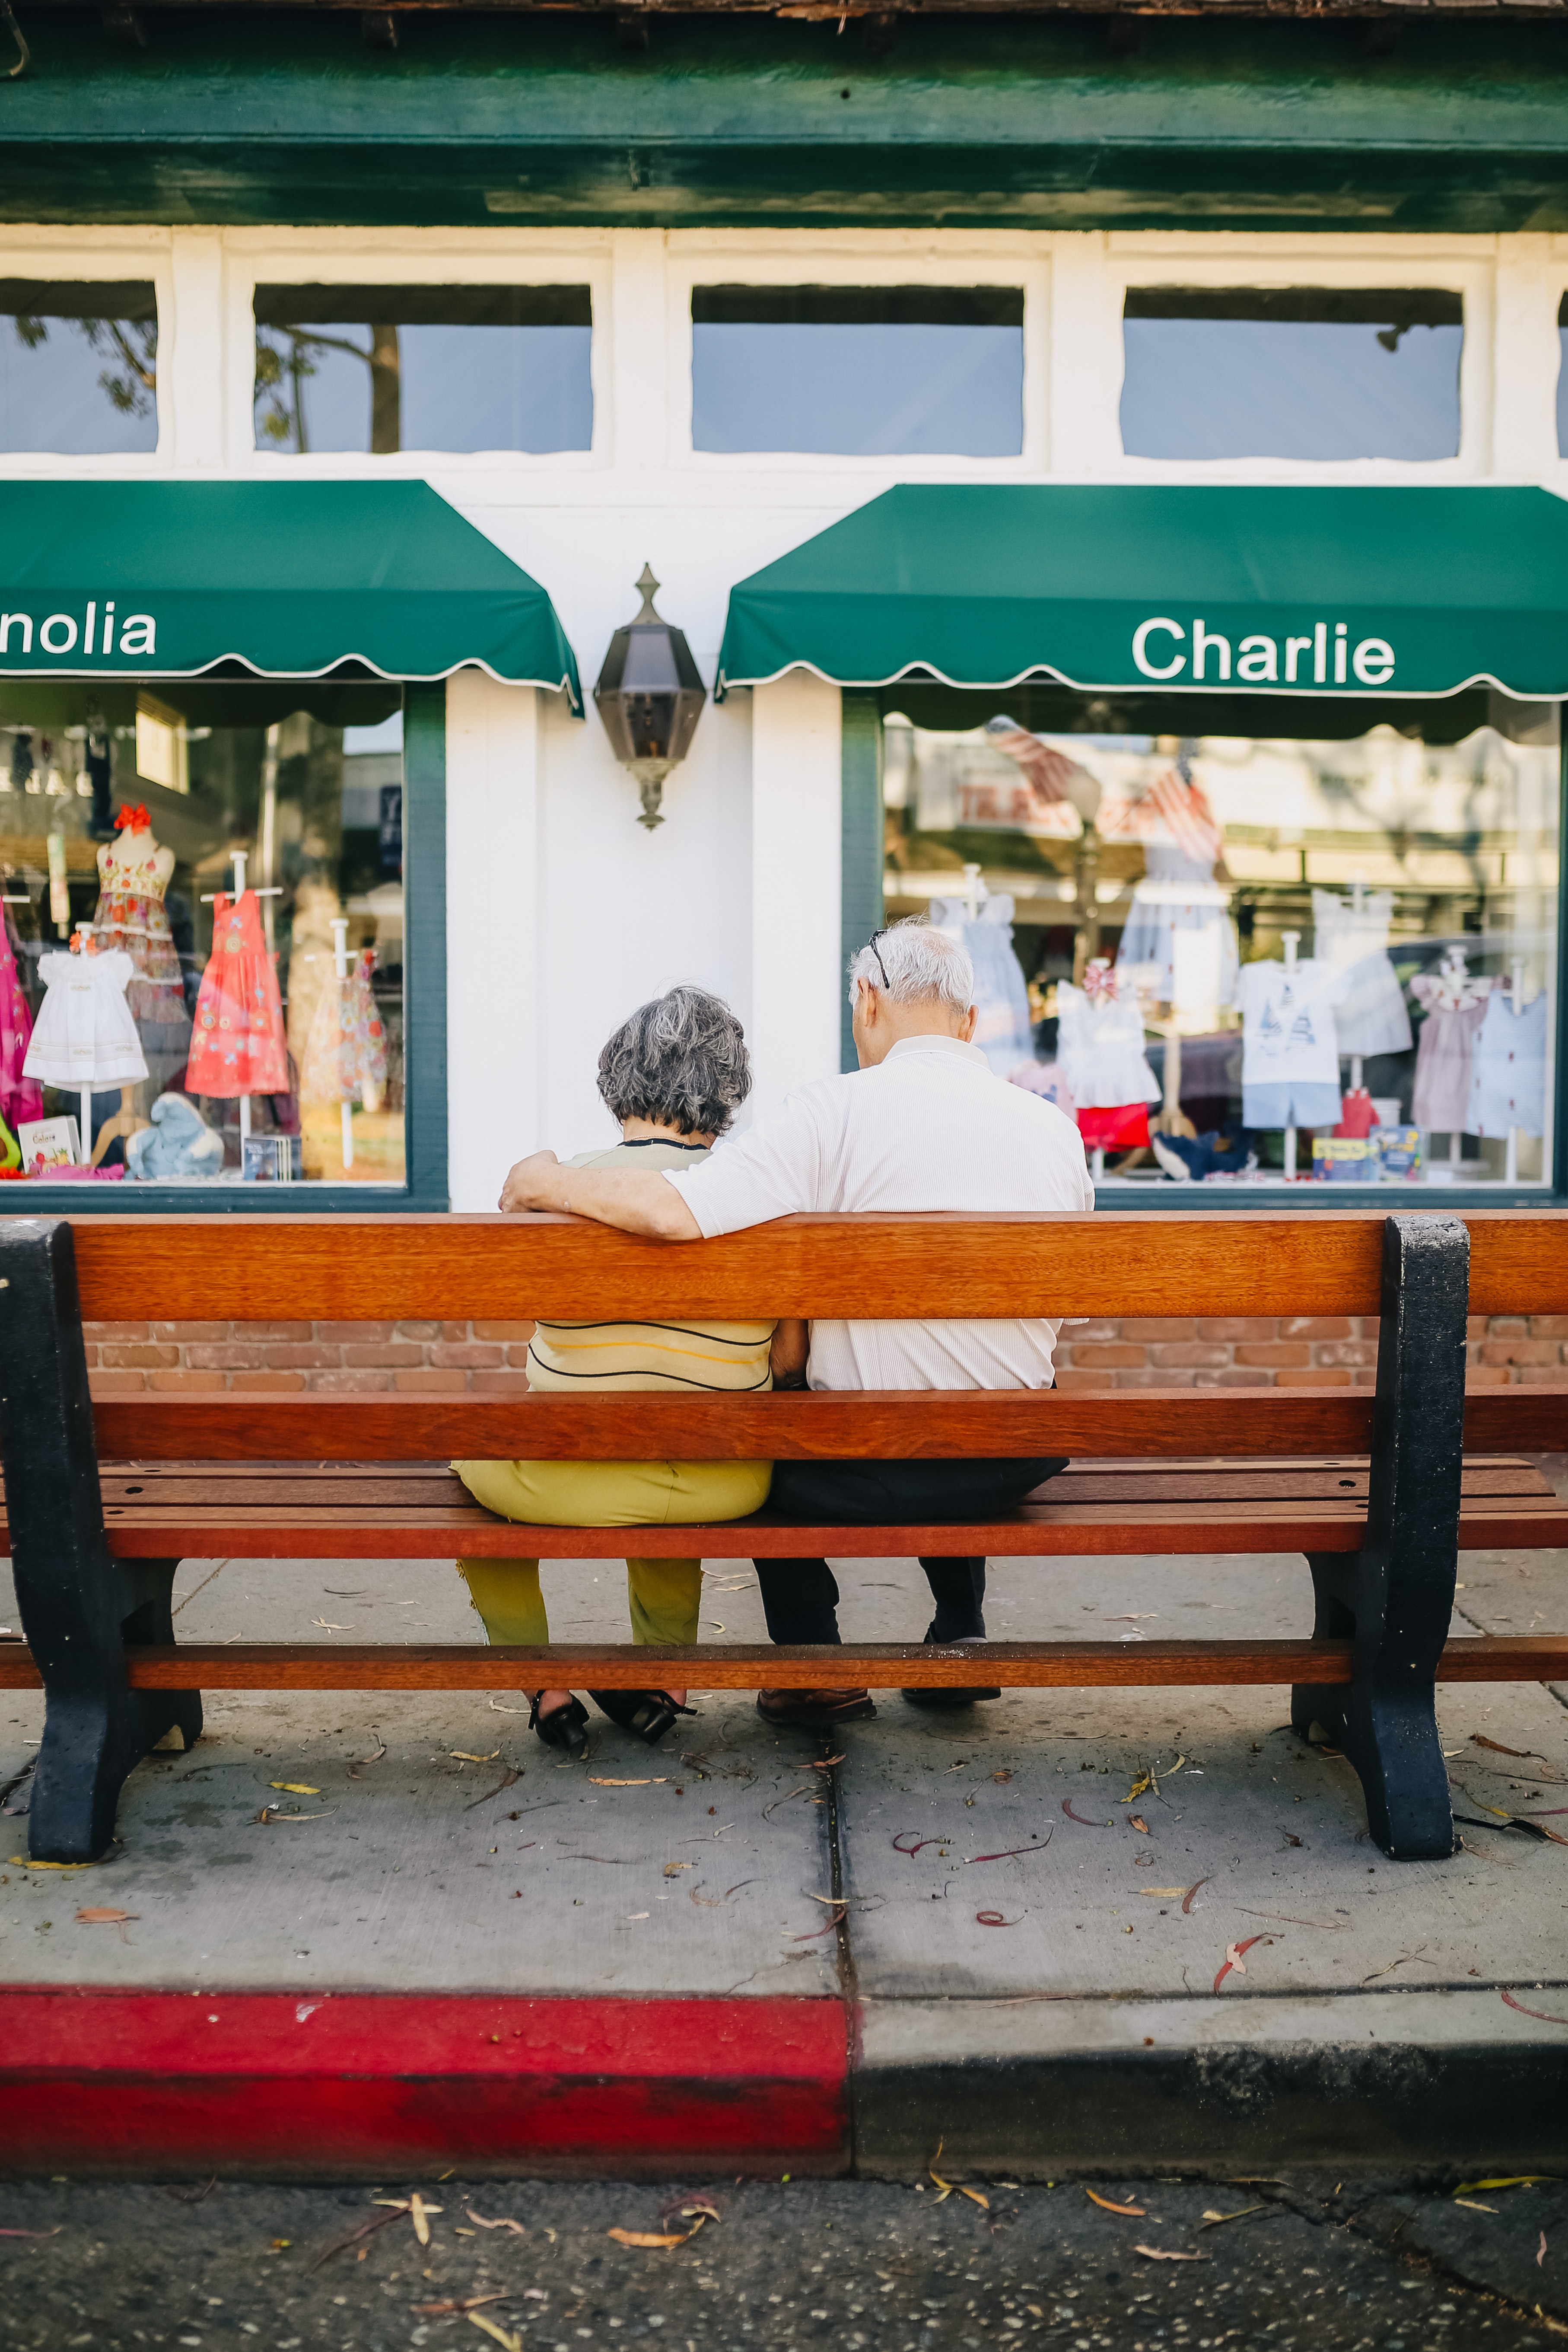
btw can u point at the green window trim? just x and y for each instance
(423, 1039)
(860, 893)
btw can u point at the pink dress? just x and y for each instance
(1445, 1055)
(20, 1097)
(237, 1044)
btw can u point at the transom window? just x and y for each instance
(458, 368)
(858, 371)
(1302, 372)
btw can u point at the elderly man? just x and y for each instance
(921, 1125)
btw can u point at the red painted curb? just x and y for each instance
(313, 2083)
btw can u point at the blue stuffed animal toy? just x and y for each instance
(178, 1146)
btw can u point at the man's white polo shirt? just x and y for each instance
(930, 1128)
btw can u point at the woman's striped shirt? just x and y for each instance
(616, 1355)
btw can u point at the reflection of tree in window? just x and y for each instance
(132, 384)
(285, 361)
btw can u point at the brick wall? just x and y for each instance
(489, 1358)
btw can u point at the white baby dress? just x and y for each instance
(1100, 1048)
(85, 1035)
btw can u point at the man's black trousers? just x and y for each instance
(800, 1597)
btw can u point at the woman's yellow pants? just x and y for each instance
(663, 1595)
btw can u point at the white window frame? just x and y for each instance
(1466, 267)
(56, 254)
(372, 258)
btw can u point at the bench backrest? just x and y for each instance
(399, 1268)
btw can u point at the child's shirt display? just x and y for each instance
(1507, 1077)
(1351, 935)
(1288, 1031)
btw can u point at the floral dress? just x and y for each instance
(237, 1044)
(346, 1056)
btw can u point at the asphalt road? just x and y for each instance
(230, 2267)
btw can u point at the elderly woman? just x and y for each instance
(674, 1075)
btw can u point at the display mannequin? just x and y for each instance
(1179, 938)
(345, 1057)
(134, 872)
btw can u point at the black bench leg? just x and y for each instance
(78, 1604)
(1395, 1597)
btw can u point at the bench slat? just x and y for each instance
(424, 1486)
(1038, 1531)
(869, 1424)
(1023, 1665)
(1152, 1263)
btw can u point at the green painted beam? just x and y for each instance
(1008, 122)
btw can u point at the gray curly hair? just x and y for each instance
(680, 1060)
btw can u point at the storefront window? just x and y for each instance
(858, 371)
(1252, 957)
(201, 980)
(460, 368)
(79, 366)
(1295, 372)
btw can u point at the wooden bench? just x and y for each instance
(1378, 1489)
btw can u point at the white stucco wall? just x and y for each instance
(564, 912)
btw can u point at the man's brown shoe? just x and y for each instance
(817, 1709)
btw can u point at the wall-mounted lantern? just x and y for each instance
(651, 697)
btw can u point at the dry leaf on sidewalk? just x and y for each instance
(1187, 1898)
(596, 1782)
(1481, 1740)
(454, 2302)
(508, 2343)
(1233, 1959)
(649, 2237)
(294, 1787)
(1212, 2218)
(1138, 1823)
(1160, 2254)
(1545, 2018)
(1079, 1819)
(102, 1915)
(503, 2222)
(1138, 2212)
(948, 2186)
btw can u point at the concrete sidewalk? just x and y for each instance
(1024, 1962)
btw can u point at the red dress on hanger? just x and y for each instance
(237, 1042)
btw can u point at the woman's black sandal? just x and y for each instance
(564, 1727)
(649, 1714)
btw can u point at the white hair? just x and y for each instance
(913, 963)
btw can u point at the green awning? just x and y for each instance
(1301, 591)
(290, 579)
